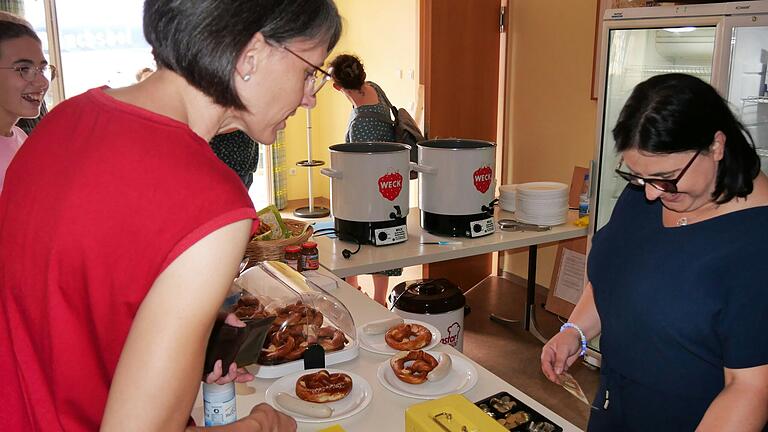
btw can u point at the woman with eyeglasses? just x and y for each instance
(24, 79)
(677, 289)
(369, 121)
(121, 231)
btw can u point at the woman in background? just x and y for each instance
(239, 152)
(121, 231)
(24, 78)
(677, 286)
(368, 122)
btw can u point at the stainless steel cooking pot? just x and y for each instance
(369, 189)
(457, 186)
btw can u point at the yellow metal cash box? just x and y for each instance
(452, 413)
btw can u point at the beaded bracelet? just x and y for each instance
(583, 350)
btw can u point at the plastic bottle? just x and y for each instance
(584, 197)
(219, 404)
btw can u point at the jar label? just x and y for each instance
(310, 262)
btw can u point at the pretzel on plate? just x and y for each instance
(408, 337)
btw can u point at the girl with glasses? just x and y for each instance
(677, 285)
(22, 86)
(121, 231)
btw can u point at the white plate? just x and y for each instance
(542, 189)
(377, 344)
(461, 378)
(356, 400)
(350, 351)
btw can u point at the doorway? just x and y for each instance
(462, 58)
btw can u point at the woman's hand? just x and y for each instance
(234, 373)
(268, 419)
(559, 353)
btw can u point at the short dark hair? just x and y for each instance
(348, 72)
(201, 40)
(14, 30)
(674, 113)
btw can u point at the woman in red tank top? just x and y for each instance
(120, 230)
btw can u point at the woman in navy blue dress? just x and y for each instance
(677, 284)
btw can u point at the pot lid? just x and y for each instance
(370, 147)
(427, 296)
(456, 144)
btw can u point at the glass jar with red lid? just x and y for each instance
(291, 256)
(309, 258)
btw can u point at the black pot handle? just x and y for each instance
(489, 208)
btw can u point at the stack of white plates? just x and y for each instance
(507, 198)
(542, 203)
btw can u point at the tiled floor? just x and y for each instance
(513, 354)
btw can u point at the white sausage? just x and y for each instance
(381, 326)
(442, 369)
(309, 409)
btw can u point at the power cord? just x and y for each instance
(346, 253)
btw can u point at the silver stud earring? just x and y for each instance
(246, 77)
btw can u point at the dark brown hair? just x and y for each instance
(348, 72)
(14, 30)
(201, 40)
(674, 113)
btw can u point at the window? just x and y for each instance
(92, 43)
(95, 43)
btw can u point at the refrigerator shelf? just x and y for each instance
(755, 99)
(684, 69)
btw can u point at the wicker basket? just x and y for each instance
(265, 250)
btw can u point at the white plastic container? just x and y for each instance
(219, 404)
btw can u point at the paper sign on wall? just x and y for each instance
(570, 281)
(568, 276)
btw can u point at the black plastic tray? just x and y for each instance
(535, 416)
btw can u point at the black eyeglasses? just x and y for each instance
(315, 81)
(664, 185)
(30, 72)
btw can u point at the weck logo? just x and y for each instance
(482, 178)
(390, 185)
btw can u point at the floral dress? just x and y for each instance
(239, 152)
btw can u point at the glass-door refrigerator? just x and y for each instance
(725, 44)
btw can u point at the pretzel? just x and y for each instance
(294, 328)
(407, 337)
(412, 367)
(276, 348)
(331, 339)
(249, 308)
(323, 386)
(298, 313)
